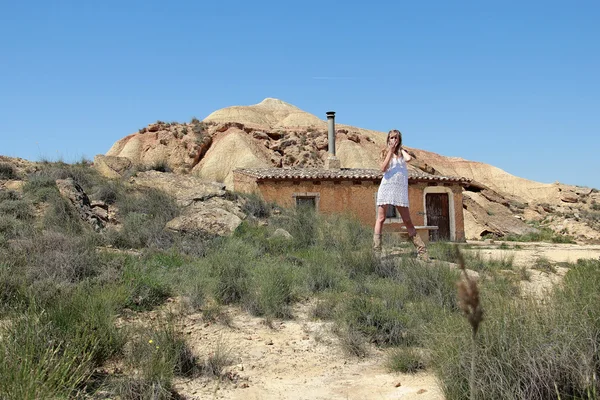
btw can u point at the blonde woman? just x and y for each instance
(393, 192)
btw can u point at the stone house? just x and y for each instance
(435, 201)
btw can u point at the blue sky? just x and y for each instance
(511, 83)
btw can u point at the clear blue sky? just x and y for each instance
(511, 83)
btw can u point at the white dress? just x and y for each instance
(394, 184)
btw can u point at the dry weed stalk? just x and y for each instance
(468, 296)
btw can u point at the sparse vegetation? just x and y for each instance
(543, 235)
(61, 294)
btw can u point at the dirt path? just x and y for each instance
(294, 360)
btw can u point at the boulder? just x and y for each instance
(186, 189)
(569, 197)
(215, 216)
(282, 233)
(112, 166)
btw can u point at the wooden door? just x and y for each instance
(438, 214)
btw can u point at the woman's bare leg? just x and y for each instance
(413, 235)
(405, 214)
(380, 219)
(378, 227)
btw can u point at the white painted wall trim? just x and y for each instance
(451, 211)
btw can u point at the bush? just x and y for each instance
(20, 209)
(254, 205)
(40, 187)
(7, 171)
(61, 216)
(405, 360)
(227, 266)
(147, 287)
(109, 192)
(526, 350)
(36, 364)
(542, 235)
(8, 195)
(56, 257)
(155, 357)
(145, 214)
(274, 290)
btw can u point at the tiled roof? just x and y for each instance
(279, 174)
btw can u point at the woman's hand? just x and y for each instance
(393, 145)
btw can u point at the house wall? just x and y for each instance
(357, 198)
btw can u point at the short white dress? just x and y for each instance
(394, 184)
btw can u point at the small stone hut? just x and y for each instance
(436, 202)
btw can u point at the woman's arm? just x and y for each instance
(405, 155)
(388, 157)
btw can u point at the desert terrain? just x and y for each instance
(301, 359)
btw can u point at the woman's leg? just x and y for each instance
(378, 227)
(413, 236)
(380, 219)
(405, 214)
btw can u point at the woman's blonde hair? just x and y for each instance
(387, 142)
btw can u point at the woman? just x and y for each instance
(393, 192)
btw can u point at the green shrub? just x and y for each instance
(228, 267)
(375, 319)
(322, 270)
(542, 235)
(20, 209)
(273, 292)
(254, 205)
(36, 364)
(301, 223)
(146, 289)
(61, 216)
(40, 187)
(7, 171)
(109, 192)
(526, 350)
(57, 257)
(352, 341)
(13, 292)
(405, 360)
(8, 195)
(85, 317)
(157, 356)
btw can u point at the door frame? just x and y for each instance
(451, 213)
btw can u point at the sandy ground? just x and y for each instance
(294, 360)
(302, 359)
(525, 255)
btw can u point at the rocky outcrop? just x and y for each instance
(483, 216)
(112, 166)
(205, 206)
(71, 190)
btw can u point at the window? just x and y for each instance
(306, 201)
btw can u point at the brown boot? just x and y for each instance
(377, 242)
(420, 246)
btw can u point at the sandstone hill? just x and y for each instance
(275, 133)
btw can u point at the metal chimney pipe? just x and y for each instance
(331, 132)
